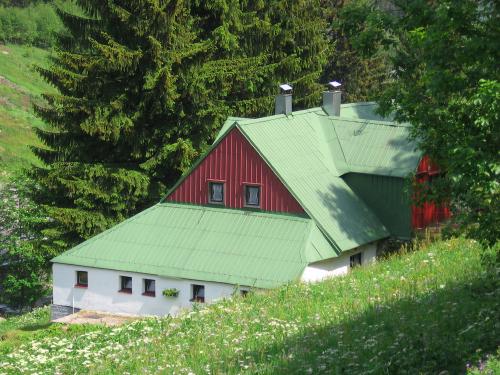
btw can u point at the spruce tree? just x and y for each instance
(144, 86)
(358, 30)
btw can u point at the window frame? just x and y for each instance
(125, 290)
(81, 285)
(145, 292)
(354, 257)
(196, 298)
(218, 182)
(245, 187)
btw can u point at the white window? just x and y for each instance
(82, 279)
(355, 260)
(216, 192)
(252, 195)
(149, 288)
(126, 284)
(198, 293)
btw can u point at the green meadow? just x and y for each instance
(20, 87)
(417, 312)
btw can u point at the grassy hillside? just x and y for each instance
(20, 86)
(424, 312)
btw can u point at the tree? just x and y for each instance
(359, 31)
(144, 85)
(24, 274)
(446, 84)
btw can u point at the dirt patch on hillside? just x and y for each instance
(5, 82)
(96, 317)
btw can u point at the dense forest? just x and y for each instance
(137, 90)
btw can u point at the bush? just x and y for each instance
(34, 25)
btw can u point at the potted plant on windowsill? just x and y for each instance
(171, 292)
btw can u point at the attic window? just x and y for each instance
(125, 284)
(198, 293)
(252, 195)
(216, 192)
(355, 260)
(82, 279)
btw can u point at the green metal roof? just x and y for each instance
(295, 148)
(248, 248)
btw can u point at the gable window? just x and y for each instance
(149, 288)
(252, 195)
(82, 279)
(355, 260)
(198, 293)
(216, 192)
(126, 284)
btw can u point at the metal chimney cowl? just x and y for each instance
(283, 102)
(332, 99)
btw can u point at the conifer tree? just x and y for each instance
(358, 29)
(144, 86)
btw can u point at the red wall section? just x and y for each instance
(235, 162)
(429, 212)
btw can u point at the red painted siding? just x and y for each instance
(428, 212)
(235, 162)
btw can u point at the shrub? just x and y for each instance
(34, 25)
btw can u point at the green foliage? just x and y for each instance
(19, 88)
(427, 311)
(358, 29)
(25, 273)
(35, 25)
(446, 84)
(171, 292)
(144, 86)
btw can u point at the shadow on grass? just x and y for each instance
(426, 333)
(35, 327)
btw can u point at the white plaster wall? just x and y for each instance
(339, 265)
(102, 292)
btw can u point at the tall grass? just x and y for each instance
(427, 311)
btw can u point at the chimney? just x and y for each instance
(332, 99)
(283, 104)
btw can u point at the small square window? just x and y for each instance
(198, 293)
(82, 279)
(126, 284)
(244, 293)
(149, 288)
(252, 195)
(216, 192)
(355, 260)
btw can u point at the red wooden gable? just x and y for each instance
(236, 163)
(428, 212)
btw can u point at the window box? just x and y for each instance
(82, 279)
(125, 284)
(171, 292)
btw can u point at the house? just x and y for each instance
(298, 195)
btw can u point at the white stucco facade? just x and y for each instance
(102, 292)
(340, 265)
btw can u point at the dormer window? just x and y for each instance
(252, 195)
(216, 192)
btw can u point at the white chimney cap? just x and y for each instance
(285, 87)
(334, 84)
